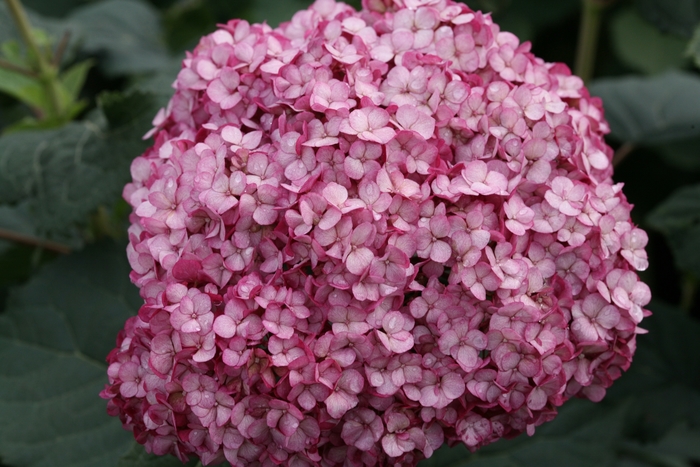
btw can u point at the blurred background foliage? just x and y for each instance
(65, 155)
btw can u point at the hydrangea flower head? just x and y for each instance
(361, 235)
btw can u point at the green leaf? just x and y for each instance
(65, 174)
(55, 8)
(679, 212)
(23, 88)
(16, 260)
(54, 337)
(546, 12)
(274, 12)
(492, 6)
(677, 16)
(648, 456)
(159, 83)
(73, 78)
(584, 434)
(684, 154)
(122, 109)
(29, 123)
(12, 52)
(32, 92)
(642, 46)
(664, 379)
(186, 22)
(678, 217)
(127, 32)
(651, 110)
(693, 49)
(683, 441)
(670, 350)
(526, 19)
(663, 384)
(138, 457)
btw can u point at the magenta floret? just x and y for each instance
(363, 234)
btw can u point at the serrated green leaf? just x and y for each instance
(677, 16)
(651, 110)
(65, 174)
(126, 32)
(54, 337)
(678, 217)
(642, 46)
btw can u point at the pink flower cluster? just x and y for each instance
(363, 234)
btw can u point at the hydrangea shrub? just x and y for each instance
(361, 235)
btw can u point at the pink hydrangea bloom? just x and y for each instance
(363, 234)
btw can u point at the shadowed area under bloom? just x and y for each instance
(363, 234)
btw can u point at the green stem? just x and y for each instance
(588, 38)
(689, 287)
(48, 74)
(17, 237)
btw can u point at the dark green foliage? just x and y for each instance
(656, 109)
(679, 219)
(59, 315)
(63, 175)
(674, 16)
(126, 32)
(54, 337)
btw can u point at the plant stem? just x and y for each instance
(588, 38)
(34, 241)
(47, 73)
(12, 67)
(624, 151)
(60, 49)
(689, 287)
